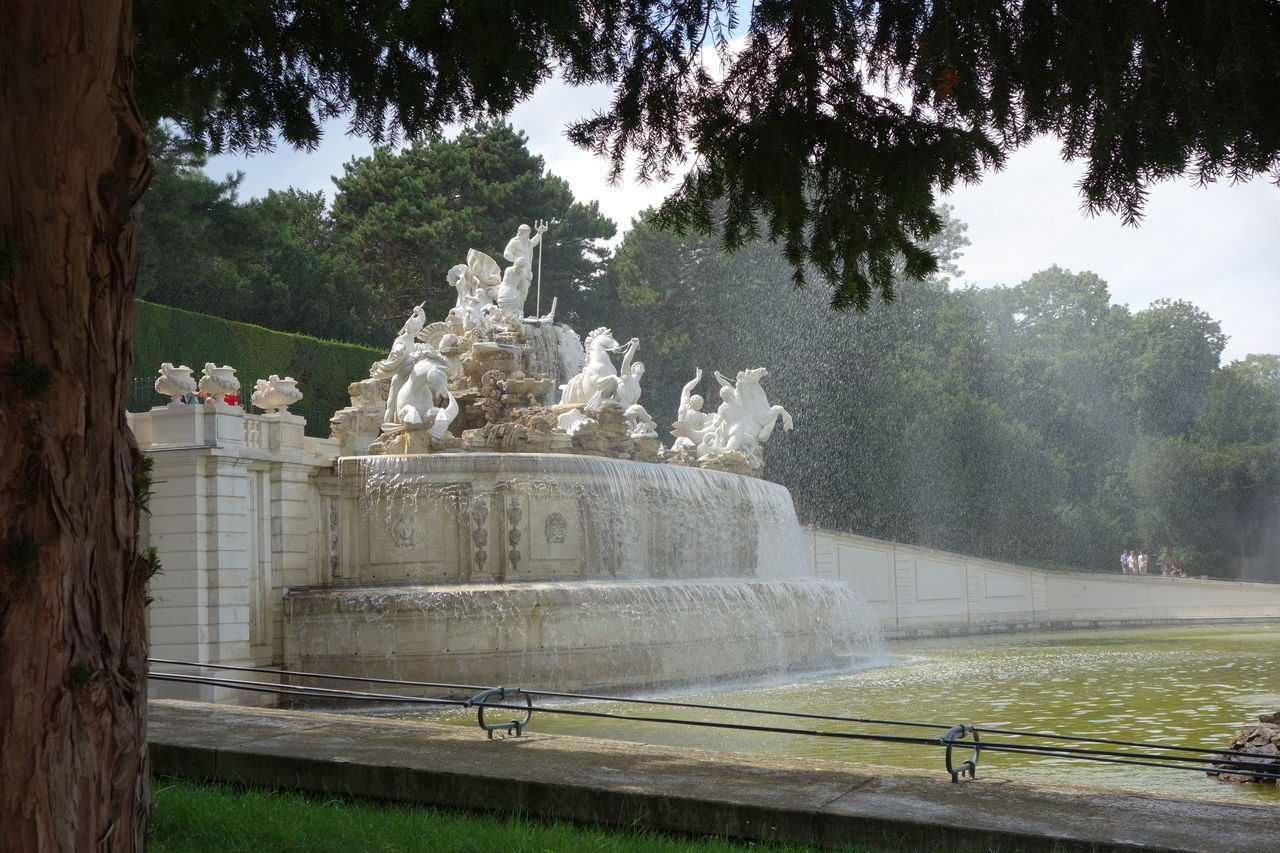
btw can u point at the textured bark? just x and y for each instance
(73, 771)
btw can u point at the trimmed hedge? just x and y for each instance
(323, 369)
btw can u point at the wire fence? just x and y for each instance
(962, 744)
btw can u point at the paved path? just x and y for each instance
(684, 790)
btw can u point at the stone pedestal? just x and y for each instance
(195, 425)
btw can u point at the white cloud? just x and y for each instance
(1215, 246)
(287, 167)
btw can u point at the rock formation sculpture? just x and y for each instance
(359, 425)
(1261, 747)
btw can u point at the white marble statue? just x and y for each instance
(516, 279)
(219, 383)
(488, 295)
(745, 420)
(275, 394)
(550, 316)
(692, 425)
(175, 383)
(639, 423)
(468, 309)
(598, 380)
(487, 272)
(628, 392)
(419, 397)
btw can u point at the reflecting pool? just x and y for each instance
(1185, 686)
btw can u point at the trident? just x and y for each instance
(537, 312)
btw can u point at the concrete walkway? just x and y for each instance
(683, 790)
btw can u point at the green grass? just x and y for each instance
(226, 818)
(219, 818)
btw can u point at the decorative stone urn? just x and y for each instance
(216, 383)
(275, 395)
(175, 383)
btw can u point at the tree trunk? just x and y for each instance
(73, 764)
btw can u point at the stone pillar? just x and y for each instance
(235, 518)
(200, 526)
(298, 532)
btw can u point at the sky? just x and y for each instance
(1217, 246)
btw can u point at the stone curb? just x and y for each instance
(701, 792)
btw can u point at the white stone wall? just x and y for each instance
(234, 515)
(918, 591)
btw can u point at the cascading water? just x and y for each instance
(554, 350)
(615, 519)
(569, 572)
(582, 635)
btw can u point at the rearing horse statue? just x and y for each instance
(745, 419)
(598, 380)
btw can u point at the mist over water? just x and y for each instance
(1037, 422)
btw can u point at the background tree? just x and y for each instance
(1024, 423)
(189, 228)
(268, 261)
(1212, 495)
(407, 218)
(398, 222)
(303, 281)
(1061, 365)
(1176, 349)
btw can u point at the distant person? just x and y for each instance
(1124, 562)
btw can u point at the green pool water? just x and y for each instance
(1185, 686)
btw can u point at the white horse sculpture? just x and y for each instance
(745, 420)
(419, 397)
(598, 380)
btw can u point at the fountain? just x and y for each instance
(479, 532)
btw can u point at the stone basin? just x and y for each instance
(566, 572)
